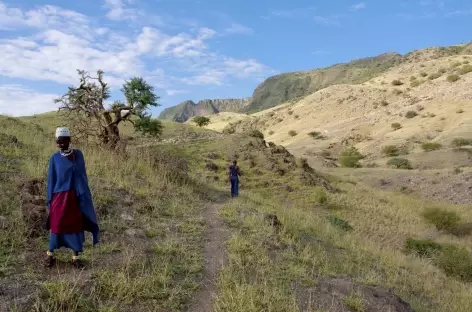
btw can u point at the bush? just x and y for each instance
(460, 111)
(296, 116)
(290, 112)
(339, 223)
(455, 261)
(399, 163)
(422, 248)
(442, 219)
(419, 108)
(431, 146)
(465, 69)
(350, 158)
(315, 135)
(384, 103)
(423, 74)
(434, 76)
(256, 134)
(416, 83)
(201, 121)
(391, 150)
(397, 82)
(292, 133)
(396, 126)
(271, 132)
(452, 78)
(412, 78)
(458, 142)
(411, 114)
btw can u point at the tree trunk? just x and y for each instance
(110, 133)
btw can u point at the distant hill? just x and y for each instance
(188, 109)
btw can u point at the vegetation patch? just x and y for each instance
(292, 133)
(452, 78)
(397, 82)
(431, 146)
(458, 142)
(399, 163)
(350, 158)
(411, 114)
(396, 126)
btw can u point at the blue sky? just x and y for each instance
(198, 49)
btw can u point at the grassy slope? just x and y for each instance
(158, 268)
(150, 253)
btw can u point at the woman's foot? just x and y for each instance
(78, 264)
(50, 262)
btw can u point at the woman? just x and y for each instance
(234, 174)
(70, 205)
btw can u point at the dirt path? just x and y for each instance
(214, 257)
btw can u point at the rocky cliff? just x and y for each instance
(188, 109)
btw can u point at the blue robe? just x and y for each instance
(65, 175)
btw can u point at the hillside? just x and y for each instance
(296, 239)
(185, 110)
(289, 86)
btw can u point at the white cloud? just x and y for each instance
(172, 92)
(54, 43)
(358, 6)
(18, 101)
(118, 10)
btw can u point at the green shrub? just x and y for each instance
(396, 126)
(434, 76)
(411, 114)
(315, 135)
(290, 112)
(423, 74)
(458, 142)
(442, 71)
(442, 219)
(292, 133)
(201, 121)
(431, 146)
(455, 261)
(399, 163)
(397, 82)
(391, 150)
(452, 78)
(423, 248)
(256, 134)
(350, 158)
(339, 223)
(384, 103)
(320, 196)
(465, 69)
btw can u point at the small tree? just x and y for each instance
(350, 158)
(201, 121)
(91, 118)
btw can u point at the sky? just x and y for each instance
(202, 49)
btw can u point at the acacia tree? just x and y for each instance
(87, 112)
(201, 121)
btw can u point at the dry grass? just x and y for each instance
(152, 258)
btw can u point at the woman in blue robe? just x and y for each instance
(234, 174)
(69, 200)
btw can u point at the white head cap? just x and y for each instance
(62, 132)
